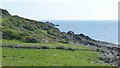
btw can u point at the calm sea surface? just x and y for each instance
(97, 29)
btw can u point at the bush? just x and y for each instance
(45, 47)
(60, 47)
(30, 39)
(30, 28)
(10, 34)
(50, 32)
(71, 49)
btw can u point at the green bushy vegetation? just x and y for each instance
(26, 30)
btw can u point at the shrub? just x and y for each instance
(27, 27)
(45, 47)
(71, 49)
(50, 32)
(10, 34)
(60, 47)
(30, 39)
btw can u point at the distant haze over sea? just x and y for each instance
(103, 30)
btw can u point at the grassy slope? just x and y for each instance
(24, 57)
(48, 57)
(15, 27)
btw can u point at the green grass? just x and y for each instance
(49, 57)
(41, 31)
(4, 41)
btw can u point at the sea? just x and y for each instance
(103, 30)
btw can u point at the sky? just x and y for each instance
(63, 9)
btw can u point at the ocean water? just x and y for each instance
(104, 30)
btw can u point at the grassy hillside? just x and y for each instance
(26, 30)
(28, 42)
(31, 31)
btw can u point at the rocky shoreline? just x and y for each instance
(110, 54)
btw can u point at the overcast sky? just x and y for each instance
(63, 9)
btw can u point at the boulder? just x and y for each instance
(70, 33)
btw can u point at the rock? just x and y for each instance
(5, 13)
(45, 40)
(70, 33)
(84, 37)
